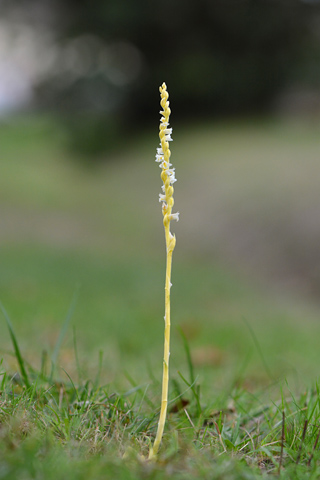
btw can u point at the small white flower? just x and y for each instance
(162, 198)
(159, 151)
(165, 165)
(172, 178)
(174, 216)
(159, 158)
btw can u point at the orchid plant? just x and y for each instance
(166, 197)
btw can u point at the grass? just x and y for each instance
(78, 293)
(51, 428)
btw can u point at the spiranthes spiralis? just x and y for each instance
(166, 197)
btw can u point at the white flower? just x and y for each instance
(165, 165)
(174, 216)
(172, 178)
(162, 198)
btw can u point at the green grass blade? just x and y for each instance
(18, 355)
(63, 330)
(73, 385)
(44, 359)
(97, 379)
(188, 355)
(77, 356)
(259, 350)
(4, 379)
(194, 390)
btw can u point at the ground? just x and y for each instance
(82, 280)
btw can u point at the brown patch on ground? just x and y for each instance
(207, 357)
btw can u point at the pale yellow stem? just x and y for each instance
(167, 177)
(170, 244)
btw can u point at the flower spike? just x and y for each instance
(168, 179)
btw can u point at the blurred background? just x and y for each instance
(220, 58)
(79, 115)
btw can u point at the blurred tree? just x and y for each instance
(225, 55)
(217, 56)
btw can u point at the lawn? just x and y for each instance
(82, 262)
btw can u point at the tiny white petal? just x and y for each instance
(165, 165)
(162, 198)
(174, 216)
(171, 176)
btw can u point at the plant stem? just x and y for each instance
(165, 374)
(168, 178)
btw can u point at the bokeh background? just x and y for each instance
(79, 211)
